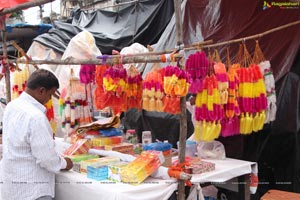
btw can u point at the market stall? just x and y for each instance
(209, 111)
(72, 184)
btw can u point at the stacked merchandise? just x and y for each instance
(114, 171)
(126, 148)
(164, 147)
(142, 167)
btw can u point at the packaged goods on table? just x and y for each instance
(142, 167)
(114, 171)
(97, 162)
(97, 173)
(100, 142)
(81, 157)
(81, 146)
(122, 148)
(164, 147)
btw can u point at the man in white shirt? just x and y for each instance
(29, 160)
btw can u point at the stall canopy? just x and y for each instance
(141, 22)
(22, 34)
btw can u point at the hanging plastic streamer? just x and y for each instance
(153, 91)
(176, 85)
(265, 68)
(252, 96)
(134, 88)
(50, 115)
(197, 67)
(87, 74)
(19, 82)
(114, 84)
(101, 99)
(74, 107)
(208, 110)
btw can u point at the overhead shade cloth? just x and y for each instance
(141, 22)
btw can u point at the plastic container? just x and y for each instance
(146, 137)
(190, 148)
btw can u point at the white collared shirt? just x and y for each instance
(29, 160)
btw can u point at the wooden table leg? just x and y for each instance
(244, 187)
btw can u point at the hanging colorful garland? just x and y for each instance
(101, 100)
(197, 67)
(50, 115)
(176, 85)
(114, 84)
(19, 82)
(87, 74)
(265, 68)
(153, 91)
(134, 88)
(230, 123)
(208, 110)
(74, 107)
(252, 96)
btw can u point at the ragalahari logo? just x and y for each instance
(266, 5)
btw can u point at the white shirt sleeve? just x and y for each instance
(43, 146)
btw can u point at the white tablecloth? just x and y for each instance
(73, 185)
(226, 170)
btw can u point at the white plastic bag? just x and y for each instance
(214, 149)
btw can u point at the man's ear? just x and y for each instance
(41, 90)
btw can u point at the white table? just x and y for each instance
(225, 170)
(73, 185)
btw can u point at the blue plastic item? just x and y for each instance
(98, 174)
(158, 146)
(110, 132)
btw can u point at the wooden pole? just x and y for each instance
(109, 60)
(182, 115)
(5, 61)
(24, 6)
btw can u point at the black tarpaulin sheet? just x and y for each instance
(141, 22)
(163, 126)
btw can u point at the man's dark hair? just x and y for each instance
(42, 78)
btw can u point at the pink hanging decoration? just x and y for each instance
(87, 73)
(197, 67)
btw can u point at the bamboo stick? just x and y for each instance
(182, 115)
(24, 6)
(109, 60)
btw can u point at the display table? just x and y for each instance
(77, 185)
(73, 185)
